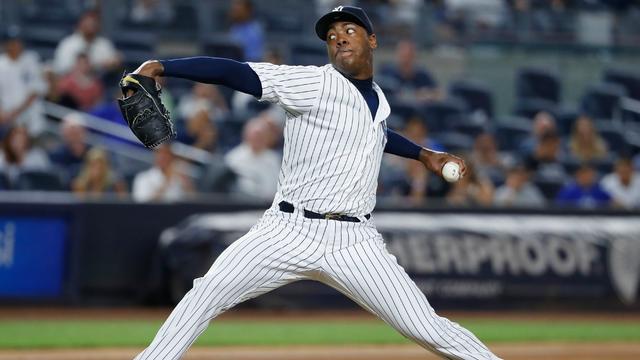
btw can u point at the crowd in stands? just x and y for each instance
(539, 157)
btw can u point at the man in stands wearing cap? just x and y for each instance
(319, 226)
(21, 86)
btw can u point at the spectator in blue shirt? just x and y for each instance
(246, 29)
(585, 191)
(415, 83)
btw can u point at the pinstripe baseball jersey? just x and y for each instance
(332, 144)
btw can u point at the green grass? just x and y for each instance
(122, 333)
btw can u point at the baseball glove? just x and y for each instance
(146, 115)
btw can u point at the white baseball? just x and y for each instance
(451, 171)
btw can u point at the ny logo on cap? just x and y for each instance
(339, 8)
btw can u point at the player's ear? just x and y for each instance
(373, 41)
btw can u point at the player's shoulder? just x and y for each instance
(283, 68)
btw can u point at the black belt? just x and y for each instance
(288, 208)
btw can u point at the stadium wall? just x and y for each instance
(120, 253)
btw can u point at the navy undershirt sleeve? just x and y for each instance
(401, 146)
(212, 70)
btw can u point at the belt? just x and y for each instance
(288, 208)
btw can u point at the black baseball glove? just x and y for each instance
(146, 115)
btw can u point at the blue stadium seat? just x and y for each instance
(469, 128)
(47, 180)
(475, 94)
(403, 110)
(4, 182)
(528, 108)
(602, 101)
(308, 53)
(222, 46)
(564, 121)
(229, 132)
(549, 187)
(510, 132)
(535, 83)
(443, 115)
(627, 79)
(614, 136)
(217, 177)
(454, 142)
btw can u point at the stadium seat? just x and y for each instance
(535, 83)
(308, 53)
(614, 136)
(548, 187)
(630, 112)
(217, 177)
(229, 133)
(528, 108)
(627, 79)
(564, 121)
(135, 40)
(510, 132)
(44, 40)
(403, 109)
(184, 17)
(4, 182)
(221, 46)
(469, 128)
(443, 115)
(454, 142)
(47, 180)
(476, 95)
(602, 101)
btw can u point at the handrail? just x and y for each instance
(121, 131)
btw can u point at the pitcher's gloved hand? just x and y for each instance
(142, 108)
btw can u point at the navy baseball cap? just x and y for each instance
(343, 13)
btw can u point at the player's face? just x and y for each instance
(350, 49)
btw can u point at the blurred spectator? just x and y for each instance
(155, 12)
(109, 109)
(164, 181)
(519, 20)
(585, 143)
(246, 29)
(97, 178)
(415, 84)
(417, 130)
(471, 190)
(21, 87)
(623, 184)
(18, 155)
(100, 51)
(407, 177)
(199, 110)
(82, 84)
(553, 19)
(478, 14)
(54, 94)
(255, 163)
(518, 190)
(397, 17)
(70, 154)
(546, 158)
(486, 158)
(584, 191)
(543, 122)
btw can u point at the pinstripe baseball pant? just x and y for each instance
(282, 248)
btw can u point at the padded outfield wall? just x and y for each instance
(121, 253)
